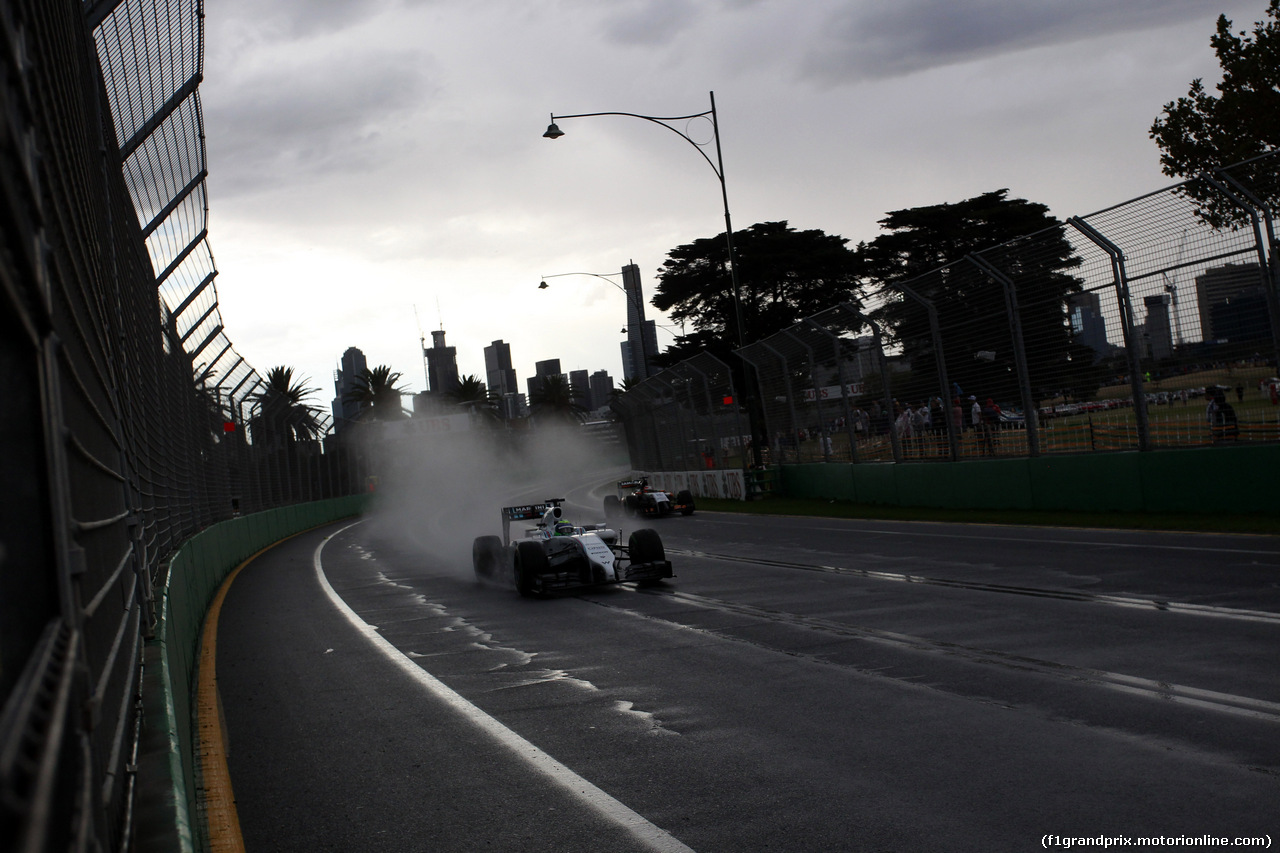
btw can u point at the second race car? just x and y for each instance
(636, 497)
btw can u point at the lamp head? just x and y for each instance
(543, 286)
(553, 132)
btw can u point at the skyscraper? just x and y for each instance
(344, 379)
(642, 335)
(542, 369)
(601, 388)
(1220, 286)
(1157, 338)
(580, 382)
(1088, 326)
(442, 365)
(499, 373)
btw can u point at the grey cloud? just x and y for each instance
(330, 111)
(873, 40)
(649, 22)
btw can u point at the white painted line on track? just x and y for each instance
(1084, 542)
(648, 834)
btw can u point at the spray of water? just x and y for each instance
(437, 491)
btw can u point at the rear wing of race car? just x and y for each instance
(637, 483)
(527, 512)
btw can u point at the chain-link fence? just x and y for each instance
(126, 408)
(1151, 324)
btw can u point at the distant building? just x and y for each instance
(542, 369)
(642, 335)
(1217, 287)
(601, 384)
(499, 373)
(1157, 336)
(514, 406)
(442, 365)
(580, 382)
(1088, 326)
(344, 380)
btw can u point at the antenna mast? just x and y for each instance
(422, 341)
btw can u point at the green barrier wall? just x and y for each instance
(167, 808)
(1217, 479)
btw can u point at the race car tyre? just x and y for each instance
(645, 546)
(685, 500)
(530, 562)
(486, 557)
(612, 507)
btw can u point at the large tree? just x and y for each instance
(1202, 131)
(924, 249)
(784, 275)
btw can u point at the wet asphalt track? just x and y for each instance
(803, 684)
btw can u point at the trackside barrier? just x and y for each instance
(718, 483)
(166, 816)
(1220, 479)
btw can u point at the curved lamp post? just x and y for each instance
(631, 297)
(717, 166)
(554, 132)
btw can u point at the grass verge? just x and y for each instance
(1257, 523)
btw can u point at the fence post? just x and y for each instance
(1126, 326)
(1029, 406)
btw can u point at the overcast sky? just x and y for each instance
(370, 156)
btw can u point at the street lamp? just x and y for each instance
(632, 298)
(554, 132)
(717, 166)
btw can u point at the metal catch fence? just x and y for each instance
(1151, 324)
(126, 407)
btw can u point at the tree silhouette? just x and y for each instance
(1202, 132)
(925, 248)
(784, 276)
(557, 400)
(284, 415)
(472, 394)
(376, 388)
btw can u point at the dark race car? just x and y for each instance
(554, 555)
(637, 497)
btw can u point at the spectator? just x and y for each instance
(990, 414)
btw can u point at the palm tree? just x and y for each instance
(377, 389)
(284, 416)
(628, 384)
(472, 394)
(558, 400)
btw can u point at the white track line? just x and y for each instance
(651, 836)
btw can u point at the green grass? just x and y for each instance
(1198, 522)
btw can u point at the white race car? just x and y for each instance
(555, 555)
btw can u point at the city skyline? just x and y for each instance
(393, 151)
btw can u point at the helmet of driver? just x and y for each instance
(564, 528)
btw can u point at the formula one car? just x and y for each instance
(555, 555)
(637, 497)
